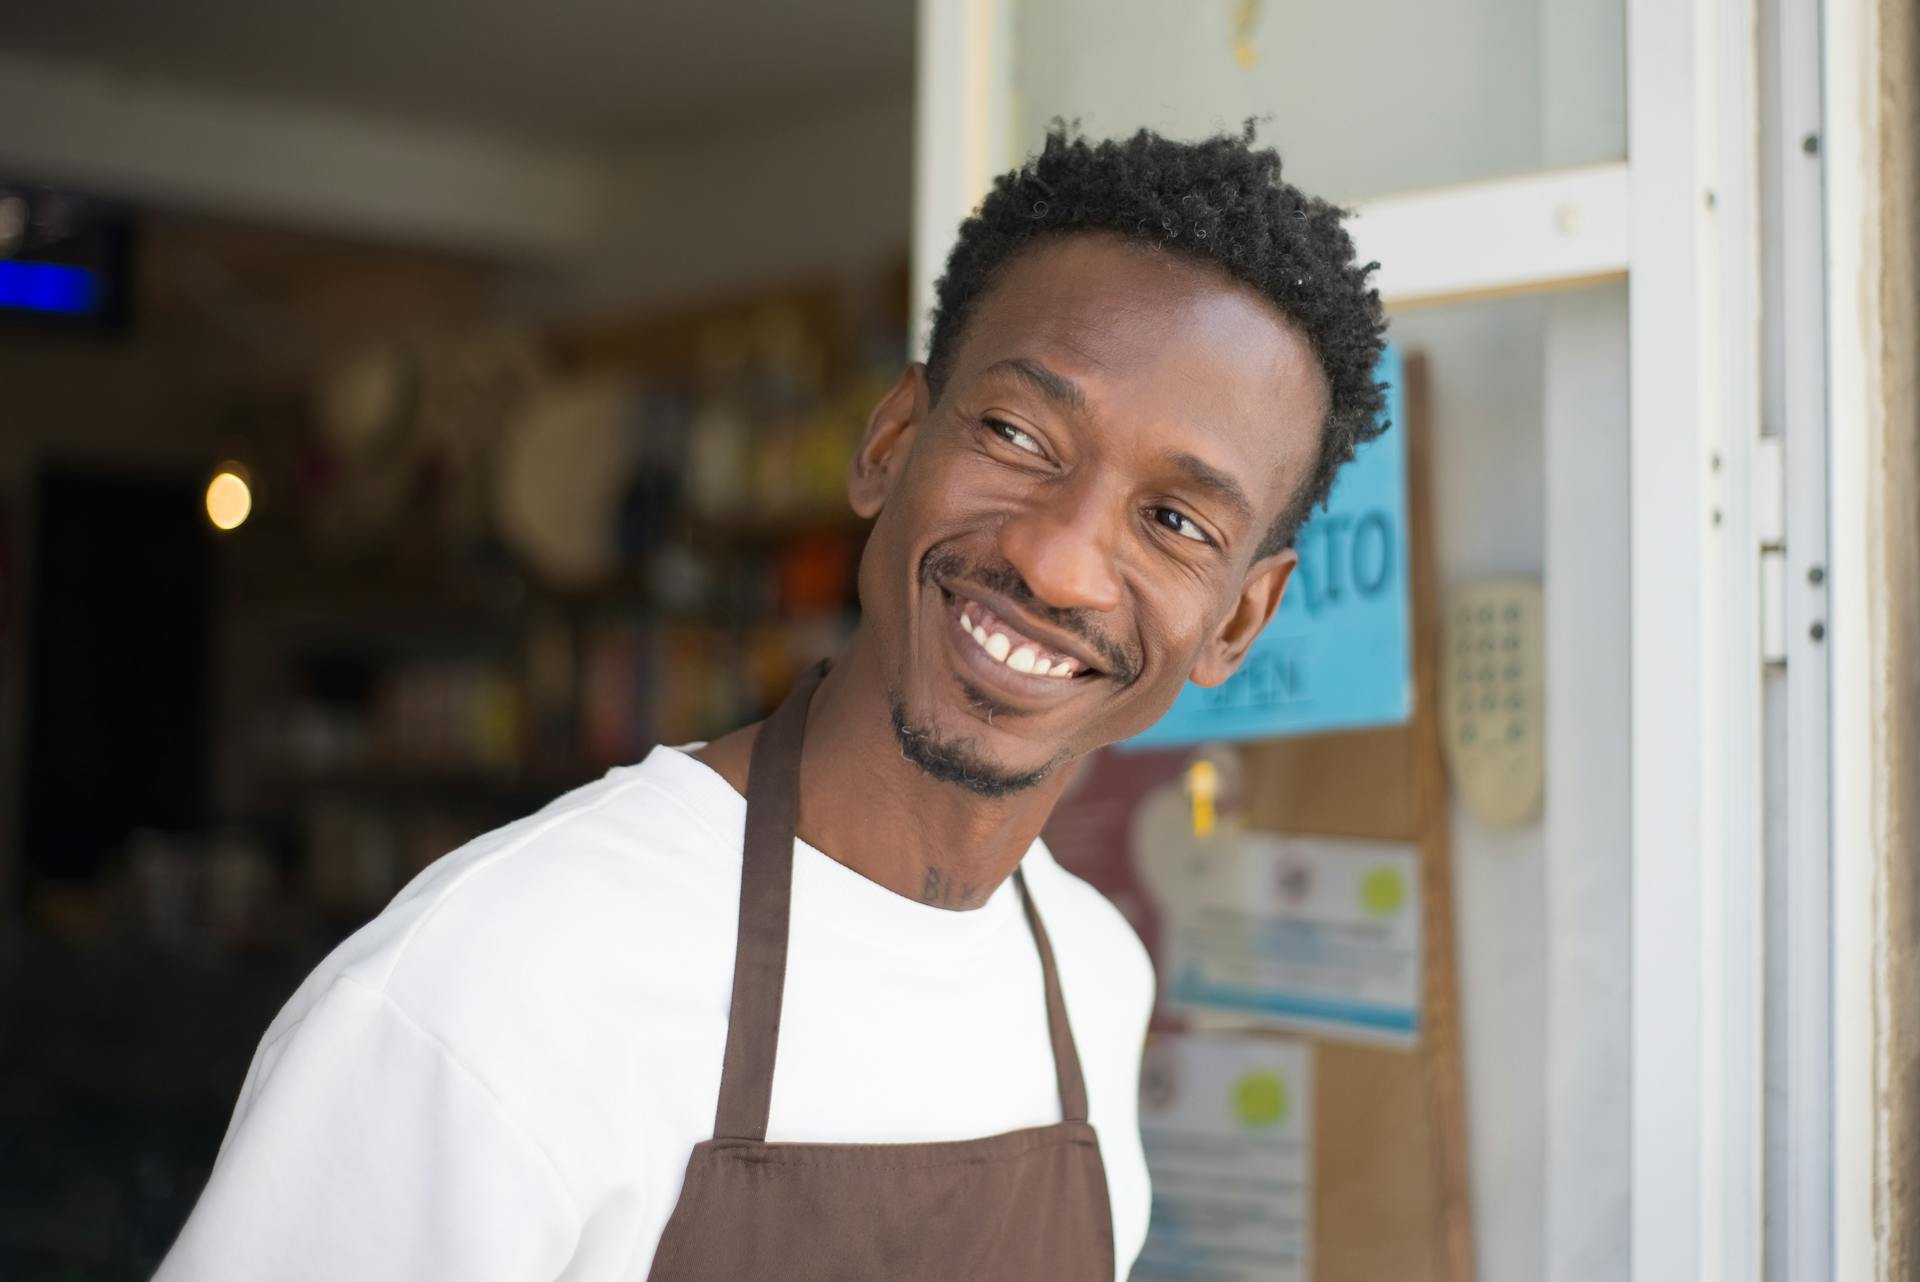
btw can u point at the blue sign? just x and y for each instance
(48, 287)
(1337, 654)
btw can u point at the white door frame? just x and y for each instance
(1698, 979)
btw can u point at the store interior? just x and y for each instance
(361, 528)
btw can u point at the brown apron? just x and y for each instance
(1029, 1204)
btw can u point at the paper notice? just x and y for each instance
(1317, 934)
(1226, 1122)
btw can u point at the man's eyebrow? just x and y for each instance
(1065, 392)
(1217, 483)
(1057, 388)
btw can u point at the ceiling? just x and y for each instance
(573, 71)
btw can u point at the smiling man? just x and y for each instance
(813, 1000)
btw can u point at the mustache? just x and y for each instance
(1002, 578)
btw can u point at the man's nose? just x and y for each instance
(1063, 544)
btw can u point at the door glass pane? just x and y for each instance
(1362, 100)
(1519, 410)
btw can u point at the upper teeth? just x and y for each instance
(1014, 650)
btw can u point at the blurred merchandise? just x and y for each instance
(610, 692)
(507, 563)
(551, 672)
(407, 434)
(719, 433)
(561, 476)
(162, 873)
(239, 891)
(448, 715)
(816, 573)
(352, 859)
(480, 568)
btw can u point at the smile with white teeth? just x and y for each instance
(1009, 647)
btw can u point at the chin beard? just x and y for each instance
(954, 760)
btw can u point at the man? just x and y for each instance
(813, 1000)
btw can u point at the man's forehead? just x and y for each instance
(1097, 328)
(1134, 334)
(1111, 308)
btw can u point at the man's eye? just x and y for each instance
(1177, 521)
(1013, 436)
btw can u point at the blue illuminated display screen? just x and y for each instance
(66, 264)
(53, 289)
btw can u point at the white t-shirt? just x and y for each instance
(501, 1076)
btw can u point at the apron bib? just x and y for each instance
(1023, 1206)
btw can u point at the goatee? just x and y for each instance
(955, 761)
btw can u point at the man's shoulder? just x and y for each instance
(558, 965)
(600, 887)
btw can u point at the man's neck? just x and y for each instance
(866, 806)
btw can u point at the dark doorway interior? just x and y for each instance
(117, 719)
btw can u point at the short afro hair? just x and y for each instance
(1220, 201)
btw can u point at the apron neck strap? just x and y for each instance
(760, 953)
(1066, 1059)
(766, 895)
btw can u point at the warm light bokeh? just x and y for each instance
(229, 500)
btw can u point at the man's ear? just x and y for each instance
(884, 445)
(1259, 598)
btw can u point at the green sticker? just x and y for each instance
(1383, 892)
(1260, 1099)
